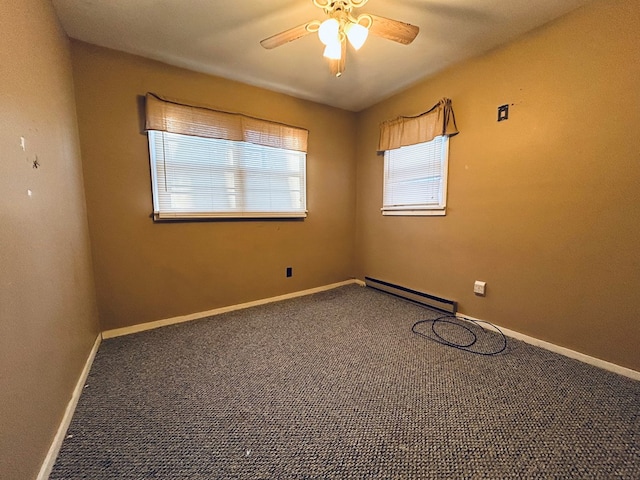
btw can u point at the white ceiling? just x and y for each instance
(223, 38)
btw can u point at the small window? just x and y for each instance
(415, 178)
(196, 177)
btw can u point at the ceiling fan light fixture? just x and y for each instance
(342, 26)
(357, 34)
(329, 31)
(333, 50)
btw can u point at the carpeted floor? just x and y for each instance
(336, 386)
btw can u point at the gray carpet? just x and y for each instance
(336, 386)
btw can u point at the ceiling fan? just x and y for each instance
(343, 26)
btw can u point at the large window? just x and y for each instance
(209, 177)
(415, 178)
(208, 164)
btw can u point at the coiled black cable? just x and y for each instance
(460, 346)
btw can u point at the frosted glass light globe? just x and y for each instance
(328, 31)
(357, 35)
(333, 50)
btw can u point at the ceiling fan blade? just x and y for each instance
(286, 36)
(394, 30)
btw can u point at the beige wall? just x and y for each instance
(149, 271)
(544, 207)
(48, 315)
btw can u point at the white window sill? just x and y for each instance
(229, 215)
(415, 213)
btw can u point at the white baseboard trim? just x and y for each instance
(612, 367)
(52, 454)
(118, 332)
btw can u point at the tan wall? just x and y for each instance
(48, 315)
(544, 207)
(148, 271)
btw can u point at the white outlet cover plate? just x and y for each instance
(479, 287)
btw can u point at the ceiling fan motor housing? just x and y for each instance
(339, 5)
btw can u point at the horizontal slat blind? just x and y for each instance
(199, 177)
(415, 176)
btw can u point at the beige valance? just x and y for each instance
(404, 131)
(175, 117)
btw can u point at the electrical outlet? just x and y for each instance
(289, 271)
(479, 288)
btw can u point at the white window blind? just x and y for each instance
(415, 178)
(197, 177)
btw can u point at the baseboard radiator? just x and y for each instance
(425, 299)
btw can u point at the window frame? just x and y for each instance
(426, 209)
(162, 215)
